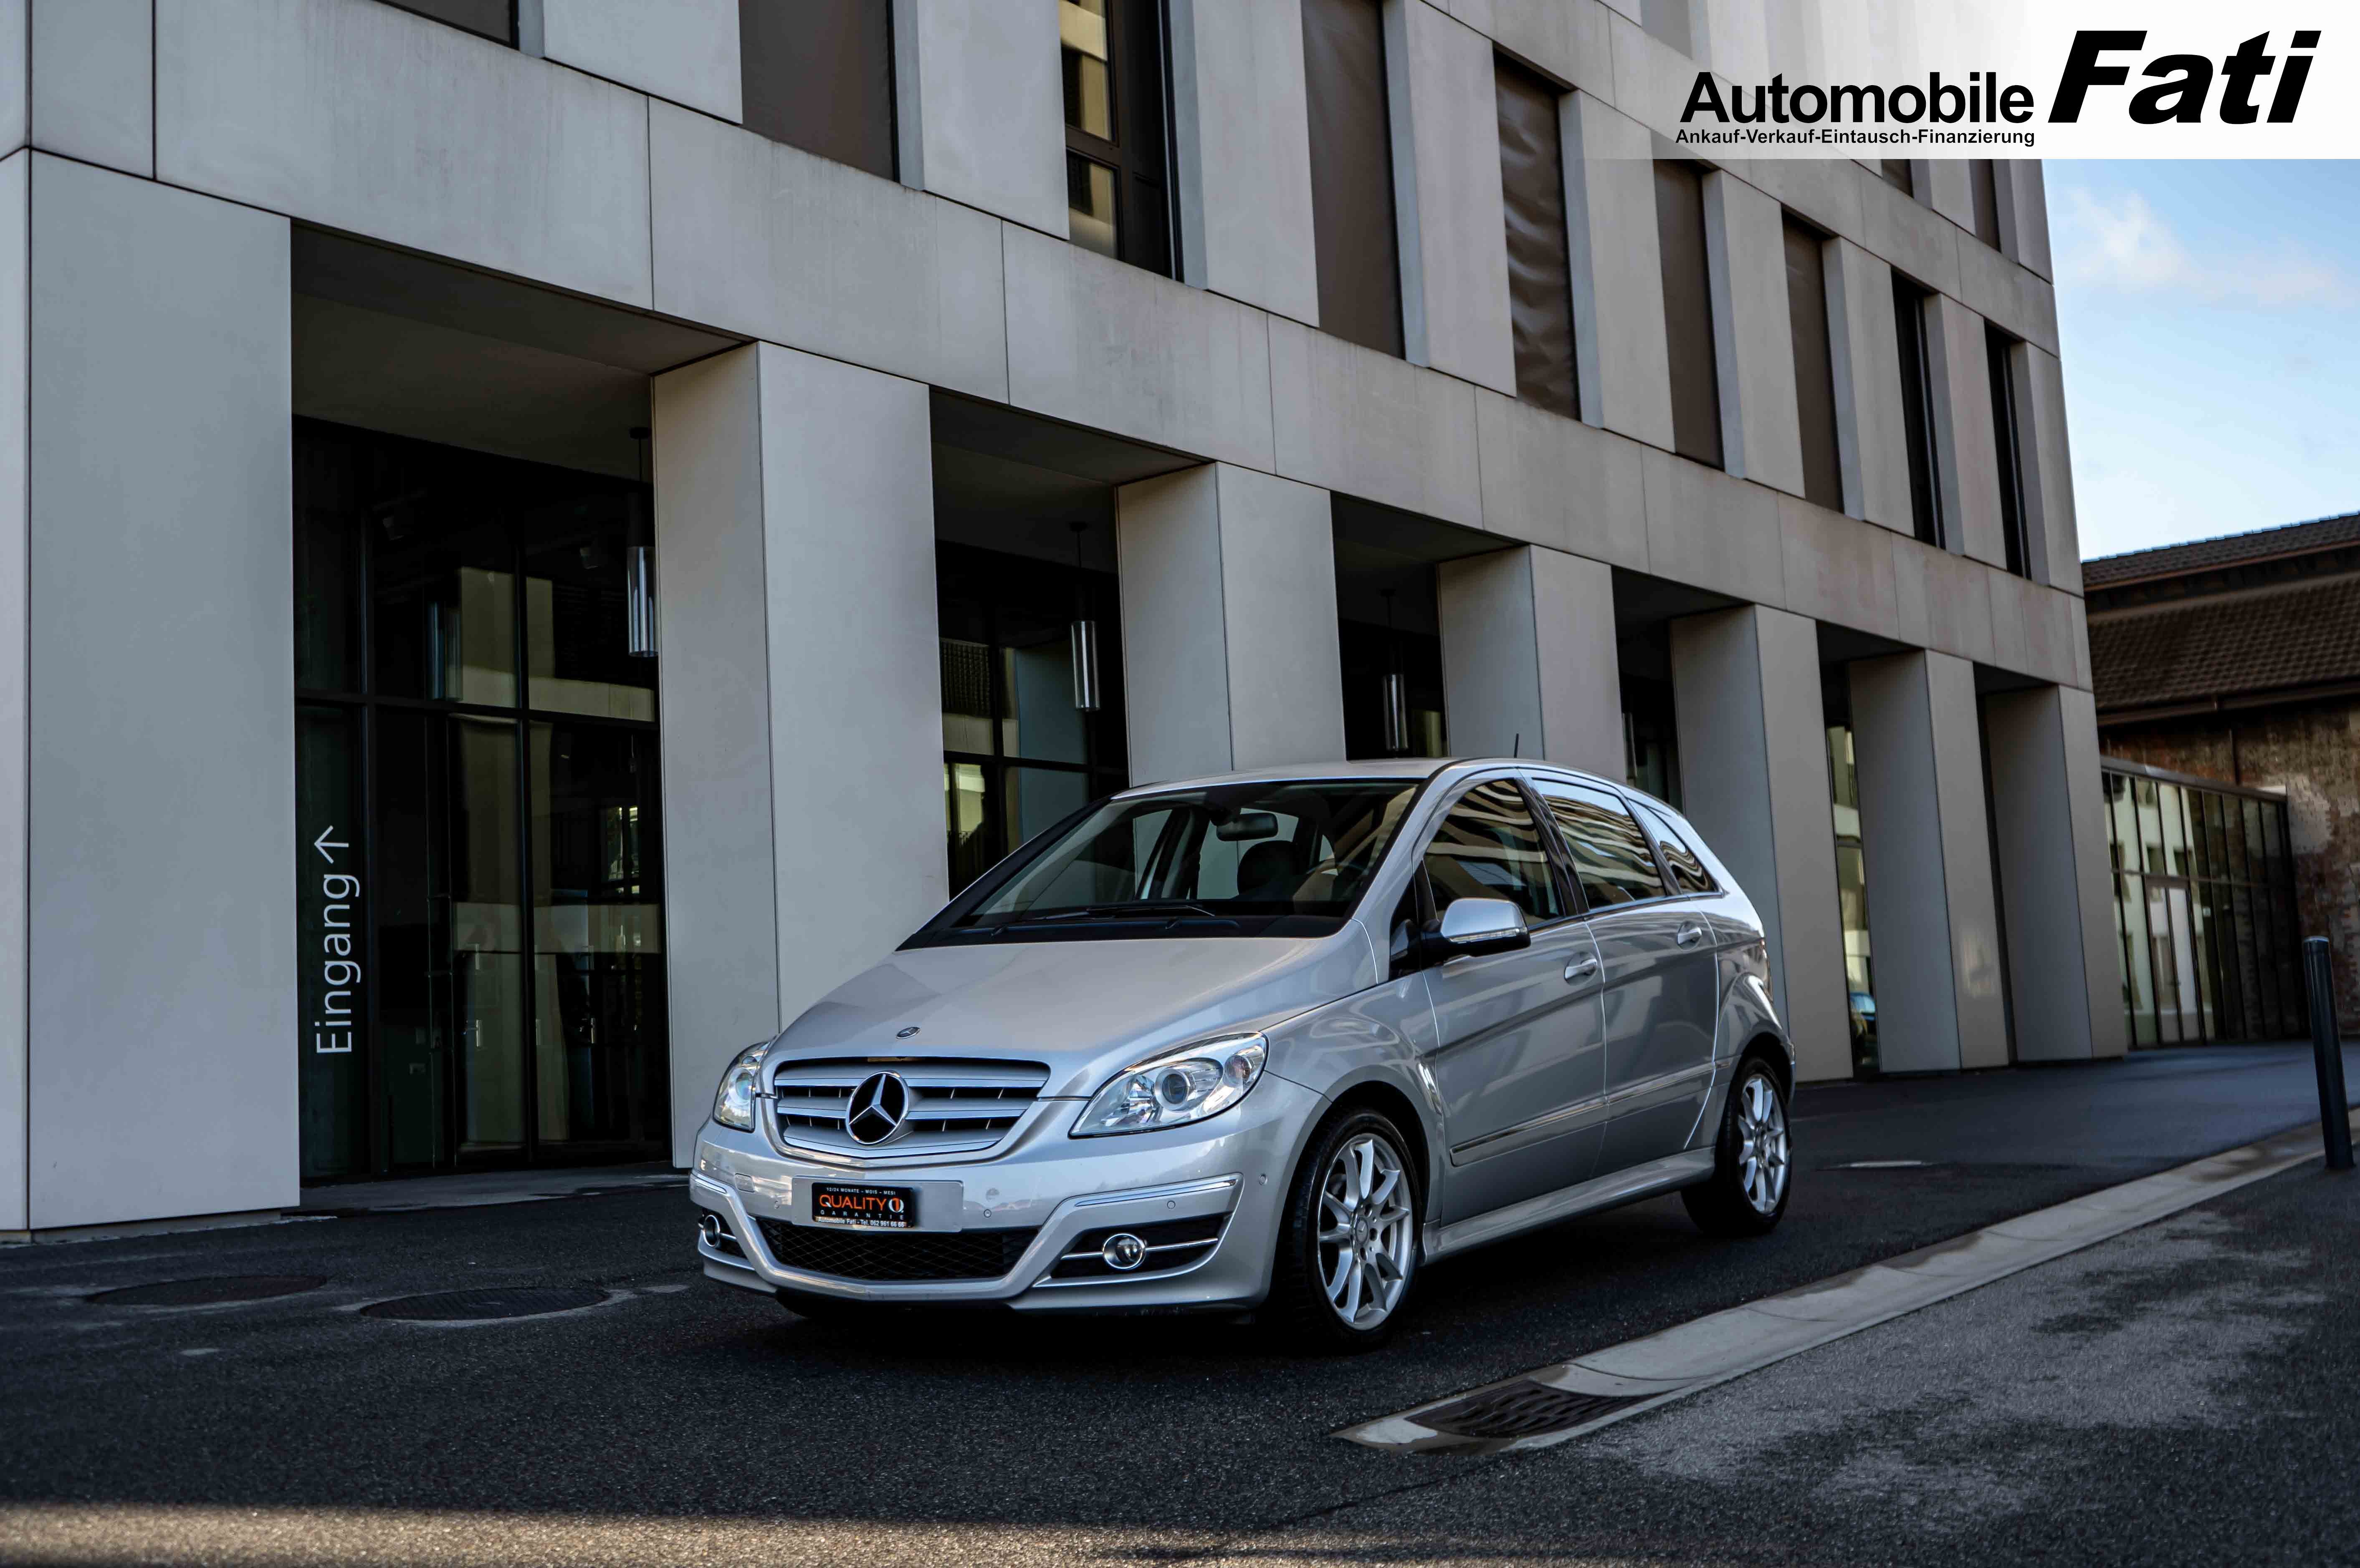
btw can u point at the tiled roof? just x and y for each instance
(2229, 550)
(2305, 634)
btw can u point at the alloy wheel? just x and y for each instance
(1367, 1229)
(1761, 1145)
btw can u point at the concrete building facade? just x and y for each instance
(630, 501)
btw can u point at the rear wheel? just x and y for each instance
(1746, 1193)
(1347, 1249)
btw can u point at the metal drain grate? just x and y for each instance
(1521, 1408)
(494, 1301)
(219, 1291)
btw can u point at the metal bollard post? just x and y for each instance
(2327, 1054)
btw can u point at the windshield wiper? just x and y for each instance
(1175, 908)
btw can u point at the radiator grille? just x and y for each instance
(956, 1106)
(895, 1255)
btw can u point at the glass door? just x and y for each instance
(479, 753)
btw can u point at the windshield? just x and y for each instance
(1281, 857)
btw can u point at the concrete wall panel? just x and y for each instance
(16, 87)
(1962, 428)
(1709, 529)
(1754, 780)
(1351, 419)
(1074, 318)
(162, 789)
(991, 105)
(769, 240)
(1528, 661)
(1458, 226)
(1618, 276)
(1745, 248)
(446, 143)
(1222, 667)
(1243, 152)
(686, 50)
(1908, 234)
(855, 668)
(1870, 441)
(1553, 481)
(1838, 568)
(92, 84)
(1942, 601)
(721, 914)
(2054, 874)
(2052, 458)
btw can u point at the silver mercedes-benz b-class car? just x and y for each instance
(1270, 1041)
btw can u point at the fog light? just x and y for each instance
(1123, 1251)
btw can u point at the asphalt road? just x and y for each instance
(684, 1422)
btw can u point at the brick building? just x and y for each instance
(2236, 660)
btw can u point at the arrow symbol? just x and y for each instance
(324, 843)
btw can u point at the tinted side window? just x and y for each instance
(1489, 846)
(1688, 875)
(1609, 857)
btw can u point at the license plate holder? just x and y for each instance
(857, 1206)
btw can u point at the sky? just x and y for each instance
(2209, 319)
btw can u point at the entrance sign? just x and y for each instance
(338, 991)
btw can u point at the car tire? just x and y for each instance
(1357, 1161)
(1752, 1159)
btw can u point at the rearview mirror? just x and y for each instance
(1247, 825)
(1473, 926)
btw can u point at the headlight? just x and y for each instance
(1178, 1087)
(733, 1103)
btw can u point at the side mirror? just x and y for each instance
(1471, 927)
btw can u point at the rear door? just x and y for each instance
(1656, 950)
(1519, 1061)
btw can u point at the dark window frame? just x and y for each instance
(1139, 62)
(1920, 411)
(1983, 199)
(1691, 348)
(838, 146)
(1541, 312)
(2014, 516)
(1358, 274)
(1815, 367)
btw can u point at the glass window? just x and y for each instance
(577, 616)
(1357, 246)
(1020, 754)
(1688, 311)
(2000, 356)
(1230, 860)
(1611, 858)
(1815, 371)
(1688, 875)
(1651, 736)
(1117, 195)
(1540, 264)
(1491, 847)
(1919, 418)
(818, 74)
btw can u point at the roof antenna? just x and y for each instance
(1519, 752)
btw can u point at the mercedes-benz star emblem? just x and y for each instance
(880, 1101)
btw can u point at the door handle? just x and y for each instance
(1689, 934)
(1581, 969)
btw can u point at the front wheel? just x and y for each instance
(1348, 1249)
(1746, 1193)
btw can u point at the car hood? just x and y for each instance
(1087, 1009)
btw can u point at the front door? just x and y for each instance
(1518, 1057)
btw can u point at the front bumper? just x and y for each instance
(1237, 1164)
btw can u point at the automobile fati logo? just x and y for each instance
(1976, 109)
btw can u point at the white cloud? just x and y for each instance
(2124, 243)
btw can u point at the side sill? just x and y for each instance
(1673, 1172)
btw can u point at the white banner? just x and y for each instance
(2108, 78)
